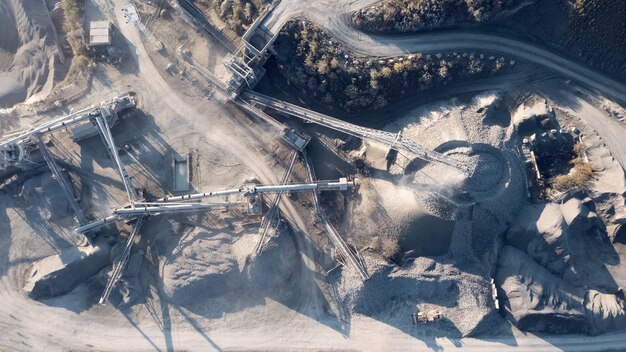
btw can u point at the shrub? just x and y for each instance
(390, 247)
(580, 175)
(73, 24)
(318, 66)
(237, 14)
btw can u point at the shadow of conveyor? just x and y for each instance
(302, 297)
(5, 229)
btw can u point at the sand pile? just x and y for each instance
(541, 231)
(608, 189)
(28, 51)
(392, 294)
(552, 273)
(207, 265)
(46, 201)
(537, 301)
(385, 209)
(64, 279)
(476, 133)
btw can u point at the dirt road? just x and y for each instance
(28, 325)
(334, 16)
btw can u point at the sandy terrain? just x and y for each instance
(28, 51)
(192, 282)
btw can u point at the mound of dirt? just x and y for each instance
(541, 232)
(392, 294)
(65, 273)
(536, 300)
(388, 210)
(46, 200)
(569, 240)
(206, 265)
(28, 51)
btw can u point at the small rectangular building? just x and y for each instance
(99, 33)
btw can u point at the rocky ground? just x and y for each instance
(431, 238)
(29, 53)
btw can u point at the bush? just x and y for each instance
(580, 175)
(237, 14)
(386, 246)
(597, 29)
(319, 68)
(73, 24)
(390, 247)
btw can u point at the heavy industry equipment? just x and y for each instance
(191, 202)
(347, 253)
(19, 151)
(395, 141)
(120, 264)
(294, 138)
(270, 216)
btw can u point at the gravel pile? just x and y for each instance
(206, 265)
(480, 209)
(392, 294)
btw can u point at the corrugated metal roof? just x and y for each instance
(99, 24)
(99, 33)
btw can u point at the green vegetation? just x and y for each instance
(73, 25)
(579, 176)
(322, 71)
(238, 14)
(415, 15)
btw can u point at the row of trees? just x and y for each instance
(319, 68)
(415, 15)
(73, 27)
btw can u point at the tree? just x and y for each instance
(352, 91)
(442, 72)
(322, 66)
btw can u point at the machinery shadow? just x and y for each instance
(145, 151)
(5, 230)
(243, 288)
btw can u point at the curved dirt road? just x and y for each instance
(29, 325)
(334, 16)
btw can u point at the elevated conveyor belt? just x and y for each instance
(62, 179)
(107, 138)
(268, 219)
(394, 140)
(339, 243)
(122, 260)
(51, 126)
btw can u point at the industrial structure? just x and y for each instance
(99, 33)
(249, 195)
(395, 141)
(24, 150)
(246, 64)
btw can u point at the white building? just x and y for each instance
(99, 33)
